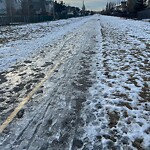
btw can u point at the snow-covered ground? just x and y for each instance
(122, 91)
(20, 42)
(98, 98)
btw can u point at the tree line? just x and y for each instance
(40, 10)
(129, 8)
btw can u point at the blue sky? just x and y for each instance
(90, 4)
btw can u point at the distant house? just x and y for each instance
(70, 11)
(34, 7)
(123, 6)
(118, 7)
(49, 7)
(3, 10)
(13, 7)
(37, 7)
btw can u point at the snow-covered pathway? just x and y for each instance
(97, 98)
(17, 43)
(121, 94)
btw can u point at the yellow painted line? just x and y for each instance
(27, 98)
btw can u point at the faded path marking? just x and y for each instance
(28, 97)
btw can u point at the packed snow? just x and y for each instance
(105, 78)
(122, 88)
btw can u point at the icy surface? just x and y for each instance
(98, 98)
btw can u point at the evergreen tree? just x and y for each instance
(139, 5)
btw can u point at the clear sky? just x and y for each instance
(90, 4)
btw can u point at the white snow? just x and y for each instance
(24, 41)
(122, 54)
(117, 105)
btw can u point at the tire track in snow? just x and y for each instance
(35, 89)
(54, 118)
